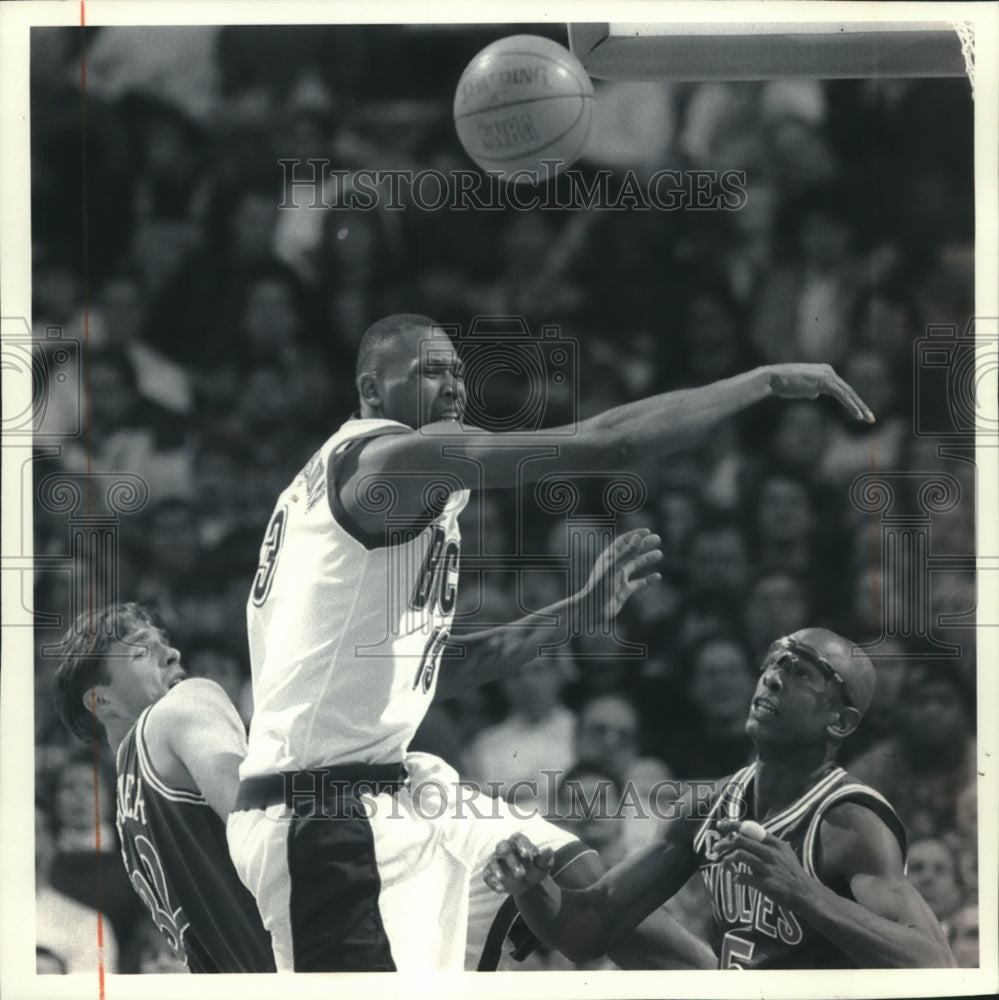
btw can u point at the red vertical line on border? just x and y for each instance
(86, 382)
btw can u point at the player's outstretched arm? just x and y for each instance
(888, 925)
(197, 741)
(627, 565)
(409, 466)
(685, 408)
(586, 924)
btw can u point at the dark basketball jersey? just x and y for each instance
(174, 848)
(757, 933)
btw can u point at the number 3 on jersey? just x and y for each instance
(268, 557)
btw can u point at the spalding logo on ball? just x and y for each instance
(522, 100)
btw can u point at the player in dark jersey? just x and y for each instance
(818, 882)
(177, 752)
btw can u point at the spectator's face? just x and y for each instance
(933, 873)
(775, 606)
(173, 540)
(711, 339)
(588, 805)
(870, 374)
(74, 803)
(678, 519)
(533, 689)
(718, 562)
(112, 398)
(784, 512)
(964, 937)
(935, 716)
(253, 223)
(607, 731)
(270, 318)
(801, 435)
(121, 304)
(722, 684)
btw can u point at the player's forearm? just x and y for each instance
(571, 921)
(871, 940)
(685, 413)
(480, 657)
(661, 942)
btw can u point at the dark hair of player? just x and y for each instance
(83, 665)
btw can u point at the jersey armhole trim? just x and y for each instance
(340, 466)
(861, 795)
(150, 775)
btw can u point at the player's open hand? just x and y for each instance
(517, 865)
(770, 864)
(627, 565)
(803, 381)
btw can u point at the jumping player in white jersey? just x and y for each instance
(818, 882)
(349, 619)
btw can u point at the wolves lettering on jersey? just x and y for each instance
(345, 646)
(758, 932)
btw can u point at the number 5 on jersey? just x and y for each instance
(268, 557)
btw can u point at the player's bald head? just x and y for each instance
(387, 337)
(852, 664)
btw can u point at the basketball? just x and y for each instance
(522, 100)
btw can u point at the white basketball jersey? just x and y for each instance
(346, 630)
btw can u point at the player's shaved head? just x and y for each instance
(853, 666)
(385, 336)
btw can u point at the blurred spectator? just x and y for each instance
(66, 931)
(853, 450)
(117, 318)
(722, 681)
(218, 660)
(777, 604)
(149, 952)
(718, 564)
(802, 311)
(536, 735)
(963, 841)
(87, 863)
(173, 63)
(126, 433)
(924, 768)
(964, 937)
(588, 801)
(932, 870)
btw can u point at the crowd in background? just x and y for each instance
(220, 335)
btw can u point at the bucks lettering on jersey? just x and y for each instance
(756, 931)
(174, 848)
(347, 629)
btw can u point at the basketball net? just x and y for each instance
(966, 33)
